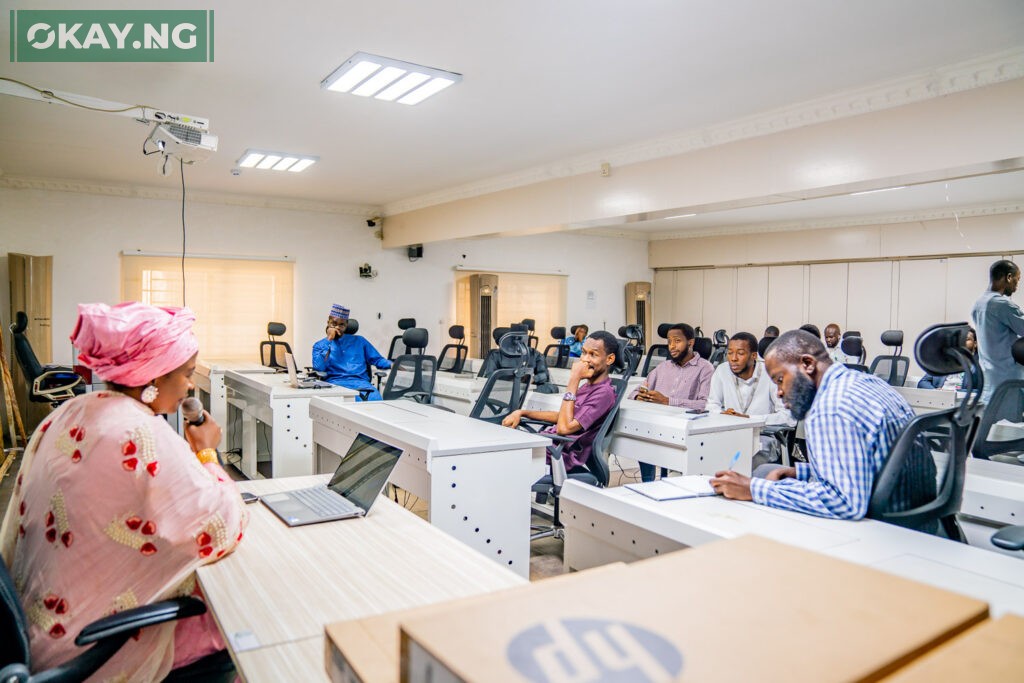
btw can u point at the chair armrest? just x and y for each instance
(130, 620)
(1009, 538)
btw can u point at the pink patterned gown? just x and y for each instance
(112, 510)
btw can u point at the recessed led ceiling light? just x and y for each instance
(268, 161)
(388, 79)
(884, 189)
(278, 161)
(682, 215)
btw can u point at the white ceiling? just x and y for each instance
(543, 82)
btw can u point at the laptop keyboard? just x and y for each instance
(323, 501)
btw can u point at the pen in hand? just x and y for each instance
(732, 462)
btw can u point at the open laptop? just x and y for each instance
(296, 383)
(356, 483)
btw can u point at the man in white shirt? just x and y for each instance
(833, 337)
(742, 387)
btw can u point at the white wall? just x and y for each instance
(86, 233)
(868, 296)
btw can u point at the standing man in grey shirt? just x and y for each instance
(999, 322)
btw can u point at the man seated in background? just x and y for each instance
(811, 329)
(583, 408)
(771, 331)
(683, 380)
(833, 337)
(851, 421)
(741, 387)
(343, 359)
(575, 342)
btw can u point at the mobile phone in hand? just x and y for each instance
(249, 497)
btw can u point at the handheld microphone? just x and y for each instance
(192, 411)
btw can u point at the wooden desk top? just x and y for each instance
(284, 584)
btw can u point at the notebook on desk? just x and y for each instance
(355, 486)
(296, 383)
(674, 488)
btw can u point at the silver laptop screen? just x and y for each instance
(364, 470)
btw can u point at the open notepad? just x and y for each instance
(672, 488)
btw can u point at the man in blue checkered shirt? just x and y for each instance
(852, 421)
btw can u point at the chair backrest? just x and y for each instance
(762, 346)
(702, 347)
(531, 326)
(597, 463)
(403, 324)
(892, 368)
(14, 647)
(720, 339)
(853, 347)
(656, 355)
(412, 374)
(506, 387)
(27, 359)
(1005, 404)
(272, 351)
(943, 437)
(453, 356)
(557, 355)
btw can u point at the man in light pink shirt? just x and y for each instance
(683, 381)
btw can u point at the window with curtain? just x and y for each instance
(233, 299)
(520, 295)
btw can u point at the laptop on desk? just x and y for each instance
(296, 383)
(353, 489)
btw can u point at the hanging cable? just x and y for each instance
(181, 164)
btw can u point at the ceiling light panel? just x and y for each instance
(388, 79)
(263, 160)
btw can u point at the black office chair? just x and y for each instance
(531, 326)
(656, 353)
(51, 384)
(1005, 404)
(892, 368)
(595, 472)
(403, 324)
(762, 346)
(702, 347)
(506, 387)
(853, 347)
(453, 356)
(944, 435)
(719, 346)
(272, 351)
(557, 355)
(106, 635)
(631, 348)
(412, 374)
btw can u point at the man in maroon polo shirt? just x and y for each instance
(583, 407)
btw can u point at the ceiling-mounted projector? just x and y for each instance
(188, 143)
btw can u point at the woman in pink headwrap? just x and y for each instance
(111, 508)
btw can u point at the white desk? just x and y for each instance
(666, 436)
(271, 400)
(607, 525)
(993, 498)
(476, 476)
(457, 392)
(927, 400)
(209, 381)
(273, 596)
